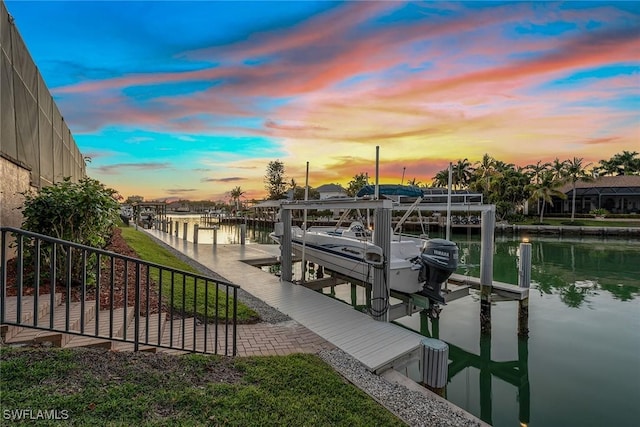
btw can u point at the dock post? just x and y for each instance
(170, 227)
(285, 246)
(380, 289)
(243, 233)
(486, 269)
(215, 236)
(195, 234)
(177, 227)
(524, 281)
(354, 296)
(184, 231)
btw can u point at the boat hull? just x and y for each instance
(348, 259)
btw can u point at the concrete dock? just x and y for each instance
(378, 345)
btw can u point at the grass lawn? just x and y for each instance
(581, 222)
(149, 250)
(103, 388)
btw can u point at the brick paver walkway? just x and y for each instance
(266, 339)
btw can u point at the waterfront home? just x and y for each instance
(617, 194)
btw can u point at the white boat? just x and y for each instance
(416, 265)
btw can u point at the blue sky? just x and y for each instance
(190, 99)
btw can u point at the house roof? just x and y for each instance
(606, 181)
(330, 188)
(606, 184)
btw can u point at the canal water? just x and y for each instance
(581, 362)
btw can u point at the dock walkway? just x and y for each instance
(378, 345)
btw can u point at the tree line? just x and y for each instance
(509, 186)
(503, 184)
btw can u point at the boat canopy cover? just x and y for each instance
(390, 190)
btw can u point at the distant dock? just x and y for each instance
(415, 226)
(568, 230)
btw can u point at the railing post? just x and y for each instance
(3, 279)
(136, 308)
(235, 317)
(19, 278)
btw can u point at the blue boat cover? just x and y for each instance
(390, 190)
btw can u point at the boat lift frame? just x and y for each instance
(382, 222)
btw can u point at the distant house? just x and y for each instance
(616, 194)
(329, 191)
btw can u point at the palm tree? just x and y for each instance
(461, 173)
(535, 172)
(484, 170)
(558, 169)
(627, 162)
(546, 190)
(441, 179)
(414, 182)
(608, 167)
(235, 194)
(574, 172)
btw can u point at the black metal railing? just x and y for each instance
(54, 285)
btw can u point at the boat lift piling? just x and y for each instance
(524, 281)
(486, 268)
(380, 289)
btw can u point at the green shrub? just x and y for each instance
(599, 212)
(84, 212)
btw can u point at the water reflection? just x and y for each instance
(574, 269)
(515, 372)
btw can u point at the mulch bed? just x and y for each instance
(108, 298)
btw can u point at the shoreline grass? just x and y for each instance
(148, 250)
(98, 387)
(580, 222)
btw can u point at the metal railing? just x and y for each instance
(112, 297)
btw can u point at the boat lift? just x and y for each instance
(380, 292)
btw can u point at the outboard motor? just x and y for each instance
(439, 259)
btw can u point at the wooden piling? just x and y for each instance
(486, 270)
(524, 281)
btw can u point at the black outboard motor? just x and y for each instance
(439, 259)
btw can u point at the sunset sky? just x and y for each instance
(191, 99)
